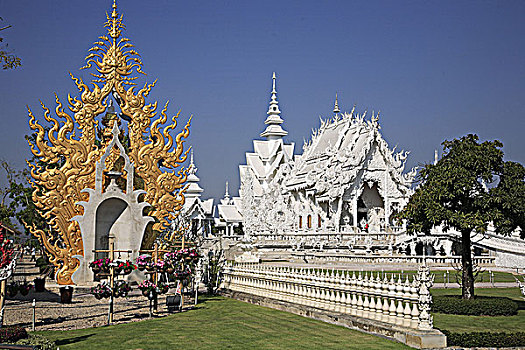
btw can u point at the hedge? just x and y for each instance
(38, 342)
(485, 339)
(479, 306)
(12, 334)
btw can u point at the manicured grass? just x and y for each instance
(221, 323)
(459, 323)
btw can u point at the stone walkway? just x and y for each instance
(84, 312)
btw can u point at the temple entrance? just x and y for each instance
(110, 219)
(370, 208)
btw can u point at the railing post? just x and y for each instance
(425, 281)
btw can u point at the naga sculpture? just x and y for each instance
(66, 153)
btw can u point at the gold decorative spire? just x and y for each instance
(71, 149)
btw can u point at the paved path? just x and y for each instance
(84, 312)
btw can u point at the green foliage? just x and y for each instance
(485, 339)
(39, 342)
(12, 334)
(7, 58)
(469, 187)
(479, 306)
(16, 201)
(453, 191)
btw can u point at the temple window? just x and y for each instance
(309, 222)
(300, 222)
(319, 221)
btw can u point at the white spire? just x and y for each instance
(227, 195)
(273, 130)
(435, 156)
(192, 169)
(193, 190)
(336, 105)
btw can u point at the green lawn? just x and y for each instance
(221, 323)
(459, 323)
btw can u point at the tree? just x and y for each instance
(468, 188)
(16, 201)
(7, 59)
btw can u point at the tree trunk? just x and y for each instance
(467, 276)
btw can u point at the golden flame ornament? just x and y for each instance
(68, 151)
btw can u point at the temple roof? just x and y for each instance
(339, 150)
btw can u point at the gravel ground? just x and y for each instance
(84, 312)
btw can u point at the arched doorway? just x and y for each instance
(110, 215)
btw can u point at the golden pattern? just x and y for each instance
(70, 150)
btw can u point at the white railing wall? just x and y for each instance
(392, 299)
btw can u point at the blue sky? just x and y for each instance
(435, 70)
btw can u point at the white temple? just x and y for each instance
(337, 197)
(196, 211)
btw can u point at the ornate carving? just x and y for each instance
(71, 150)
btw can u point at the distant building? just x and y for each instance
(199, 213)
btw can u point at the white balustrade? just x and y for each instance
(382, 298)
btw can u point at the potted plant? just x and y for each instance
(122, 288)
(46, 269)
(127, 267)
(66, 294)
(182, 274)
(162, 287)
(101, 290)
(147, 287)
(24, 288)
(100, 265)
(95, 267)
(143, 261)
(160, 266)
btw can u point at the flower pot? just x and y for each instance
(24, 291)
(98, 296)
(11, 292)
(127, 270)
(145, 292)
(123, 293)
(105, 269)
(96, 269)
(40, 285)
(66, 294)
(141, 267)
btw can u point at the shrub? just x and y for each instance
(39, 342)
(480, 306)
(12, 334)
(485, 339)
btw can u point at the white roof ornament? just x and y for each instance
(193, 190)
(273, 131)
(336, 106)
(192, 170)
(435, 156)
(226, 195)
